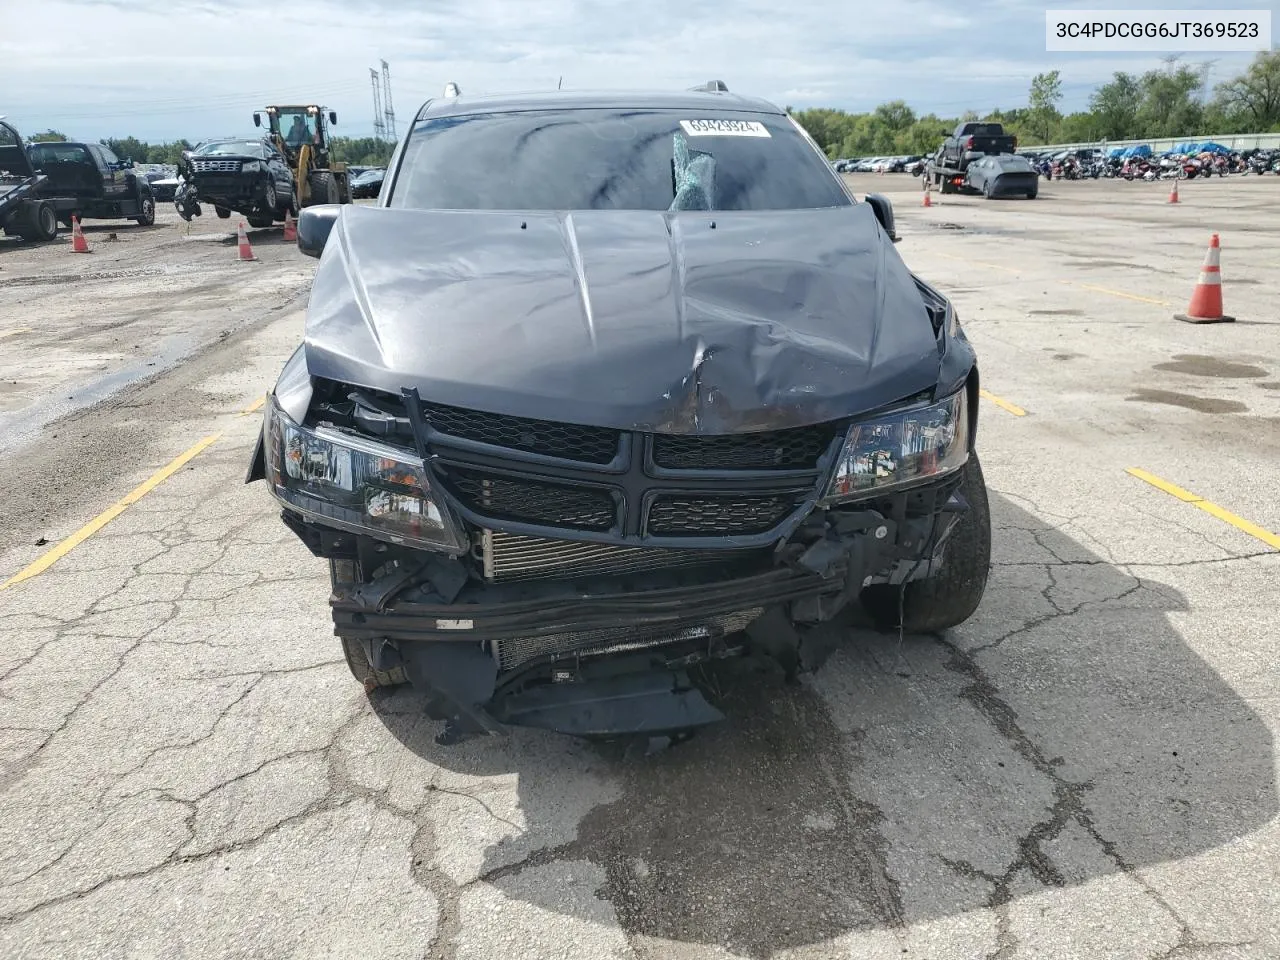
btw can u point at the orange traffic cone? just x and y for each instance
(246, 251)
(78, 243)
(1206, 298)
(1173, 194)
(928, 194)
(290, 228)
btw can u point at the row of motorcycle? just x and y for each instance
(1168, 167)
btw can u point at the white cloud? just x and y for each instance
(161, 69)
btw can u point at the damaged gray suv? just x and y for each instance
(607, 387)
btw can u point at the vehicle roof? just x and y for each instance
(63, 143)
(615, 99)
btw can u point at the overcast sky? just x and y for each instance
(163, 69)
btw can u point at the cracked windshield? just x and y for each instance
(573, 480)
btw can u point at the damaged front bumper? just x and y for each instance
(241, 194)
(608, 656)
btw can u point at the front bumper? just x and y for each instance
(606, 656)
(241, 192)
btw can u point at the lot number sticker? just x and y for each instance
(724, 128)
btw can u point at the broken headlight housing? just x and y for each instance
(901, 448)
(355, 484)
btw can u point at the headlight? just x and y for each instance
(250, 166)
(901, 448)
(355, 484)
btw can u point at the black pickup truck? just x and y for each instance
(88, 181)
(973, 140)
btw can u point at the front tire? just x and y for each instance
(223, 213)
(323, 187)
(952, 594)
(342, 573)
(269, 202)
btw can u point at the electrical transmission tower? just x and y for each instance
(1206, 67)
(390, 125)
(379, 127)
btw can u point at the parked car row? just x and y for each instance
(876, 164)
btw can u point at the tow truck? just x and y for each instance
(971, 140)
(23, 211)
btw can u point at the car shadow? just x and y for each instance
(910, 779)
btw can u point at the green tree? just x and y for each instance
(1169, 105)
(47, 136)
(167, 152)
(1255, 94)
(363, 151)
(130, 147)
(1115, 107)
(895, 115)
(1042, 103)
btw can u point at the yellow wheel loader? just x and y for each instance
(301, 133)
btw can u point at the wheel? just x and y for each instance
(1032, 194)
(323, 187)
(42, 223)
(269, 198)
(347, 572)
(260, 220)
(222, 212)
(986, 189)
(146, 210)
(951, 595)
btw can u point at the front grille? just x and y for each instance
(215, 166)
(533, 501)
(797, 449)
(716, 516)
(569, 441)
(518, 651)
(509, 557)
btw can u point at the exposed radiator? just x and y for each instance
(507, 557)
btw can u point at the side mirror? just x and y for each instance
(333, 117)
(314, 225)
(883, 210)
(257, 119)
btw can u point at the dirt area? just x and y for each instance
(76, 328)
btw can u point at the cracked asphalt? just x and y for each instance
(1086, 769)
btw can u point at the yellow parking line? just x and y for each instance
(1208, 506)
(1013, 408)
(101, 520)
(14, 332)
(978, 263)
(1117, 293)
(255, 406)
(1070, 283)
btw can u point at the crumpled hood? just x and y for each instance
(675, 323)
